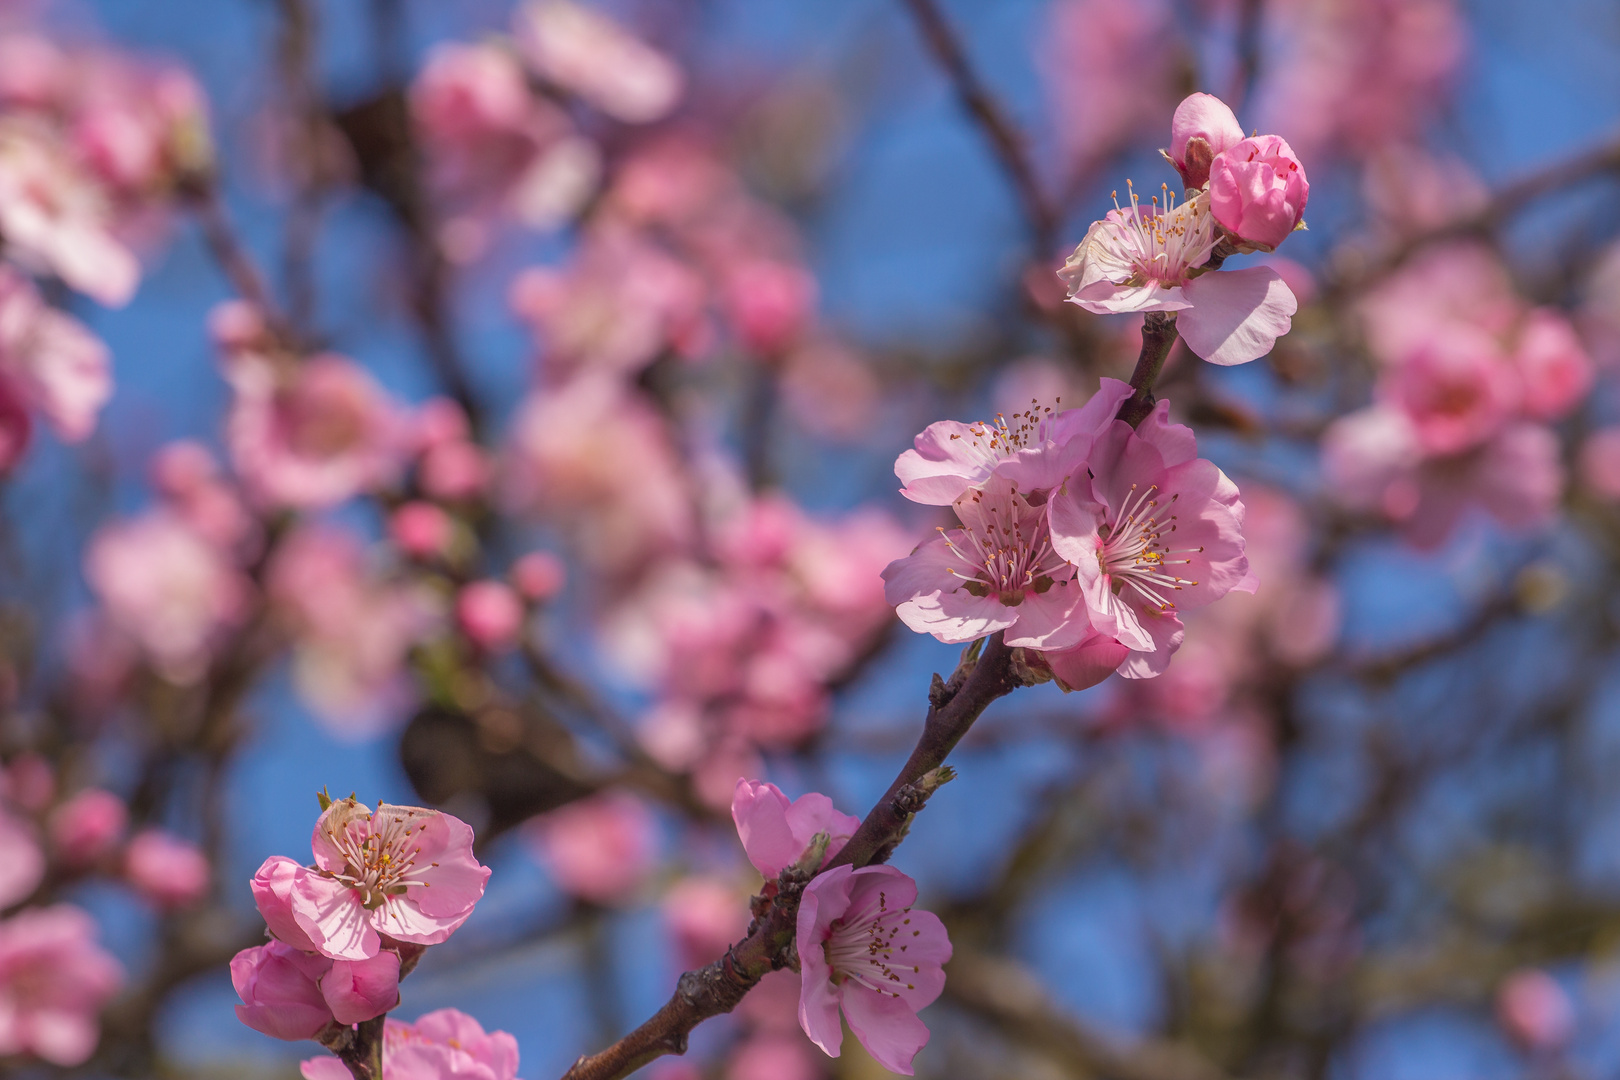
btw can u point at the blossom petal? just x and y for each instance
(886, 1026)
(1236, 315)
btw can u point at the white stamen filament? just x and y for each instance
(1133, 552)
(1006, 555)
(864, 950)
(379, 862)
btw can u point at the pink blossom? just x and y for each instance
(863, 949)
(54, 979)
(22, 863)
(360, 990)
(1147, 259)
(51, 360)
(87, 826)
(1446, 285)
(1202, 128)
(950, 458)
(772, 1056)
(442, 1045)
(1153, 531)
(1533, 1008)
(168, 588)
(470, 91)
(314, 435)
(1600, 462)
(421, 529)
(1373, 460)
(490, 614)
(453, 470)
(140, 127)
(769, 303)
(1258, 191)
(16, 428)
(831, 391)
(1080, 666)
(29, 782)
(705, 916)
(775, 832)
(588, 53)
(999, 571)
(1457, 388)
(538, 576)
(598, 848)
(280, 991)
(32, 70)
(1554, 369)
(167, 870)
(54, 218)
(274, 886)
(400, 871)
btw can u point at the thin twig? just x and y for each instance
(1158, 336)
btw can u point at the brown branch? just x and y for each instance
(1158, 336)
(202, 195)
(1006, 142)
(717, 989)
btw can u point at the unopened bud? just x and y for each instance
(809, 863)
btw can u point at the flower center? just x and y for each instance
(871, 950)
(1006, 548)
(1164, 244)
(380, 864)
(1134, 549)
(996, 441)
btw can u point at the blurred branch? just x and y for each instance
(1006, 141)
(1008, 994)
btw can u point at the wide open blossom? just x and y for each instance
(1151, 258)
(863, 949)
(1037, 448)
(1153, 530)
(441, 1045)
(402, 871)
(54, 979)
(998, 571)
(775, 832)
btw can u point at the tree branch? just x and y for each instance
(953, 707)
(1006, 142)
(1158, 336)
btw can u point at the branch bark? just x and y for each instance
(1158, 335)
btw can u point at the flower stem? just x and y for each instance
(1158, 335)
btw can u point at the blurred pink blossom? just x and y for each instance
(421, 529)
(1552, 365)
(22, 862)
(1535, 1010)
(169, 871)
(490, 613)
(1600, 462)
(453, 470)
(51, 361)
(865, 951)
(539, 576)
(1457, 389)
(705, 916)
(440, 1045)
(599, 848)
(171, 590)
(87, 827)
(773, 1056)
(313, 435)
(586, 52)
(54, 980)
(1107, 74)
(769, 304)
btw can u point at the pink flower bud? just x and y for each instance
(1258, 191)
(168, 871)
(454, 470)
(1202, 127)
(539, 575)
(420, 529)
(1535, 1010)
(490, 614)
(280, 991)
(87, 826)
(359, 990)
(273, 887)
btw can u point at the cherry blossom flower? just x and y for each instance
(587, 52)
(312, 436)
(865, 951)
(1151, 258)
(87, 826)
(167, 870)
(775, 832)
(1258, 191)
(999, 571)
(442, 1044)
(421, 529)
(599, 848)
(292, 995)
(400, 871)
(1554, 369)
(50, 360)
(22, 863)
(1457, 388)
(54, 980)
(168, 588)
(1203, 126)
(1153, 530)
(950, 458)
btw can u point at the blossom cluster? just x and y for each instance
(1081, 538)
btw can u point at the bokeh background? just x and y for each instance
(1366, 827)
